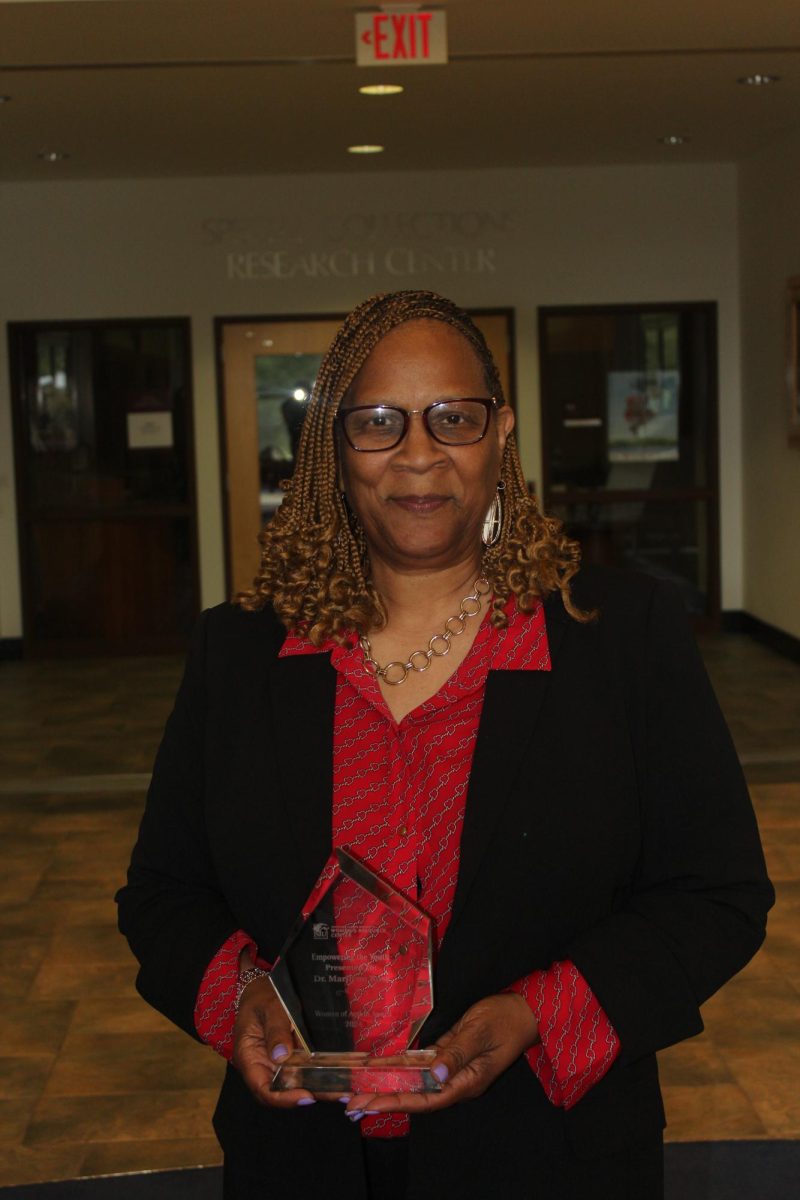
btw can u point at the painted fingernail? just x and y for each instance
(356, 1115)
(304, 1101)
(372, 1112)
(440, 1072)
(345, 1099)
(278, 1052)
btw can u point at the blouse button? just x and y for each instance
(403, 831)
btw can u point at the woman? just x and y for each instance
(529, 752)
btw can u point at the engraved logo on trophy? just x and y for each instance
(355, 979)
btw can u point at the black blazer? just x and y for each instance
(607, 822)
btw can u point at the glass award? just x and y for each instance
(355, 979)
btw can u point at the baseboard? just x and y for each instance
(10, 649)
(738, 621)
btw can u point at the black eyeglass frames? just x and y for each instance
(461, 422)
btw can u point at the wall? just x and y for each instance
(218, 247)
(770, 253)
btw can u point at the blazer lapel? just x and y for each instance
(302, 692)
(511, 710)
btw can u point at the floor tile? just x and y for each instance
(136, 1117)
(111, 1158)
(71, 981)
(23, 1164)
(34, 1027)
(697, 1061)
(93, 1063)
(767, 1073)
(24, 1075)
(118, 1014)
(707, 1112)
(14, 1116)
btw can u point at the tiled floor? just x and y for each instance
(92, 1081)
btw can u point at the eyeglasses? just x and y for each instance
(460, 422)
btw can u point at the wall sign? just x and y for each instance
(416, 244)
(401, 38)
(150, 430)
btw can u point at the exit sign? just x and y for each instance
(401, 38)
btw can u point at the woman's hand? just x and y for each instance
(262, 1039)
(485, 1042)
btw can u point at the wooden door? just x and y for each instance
(105, 486)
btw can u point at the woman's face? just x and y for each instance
(422, 504)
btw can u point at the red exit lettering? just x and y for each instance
(395, 36)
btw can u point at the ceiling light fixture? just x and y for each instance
(52, 156)
(758, 80)
(674, 139)
(365, 149)
(381, 89)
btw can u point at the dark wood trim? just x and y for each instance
(739, 621)
(143, 646)
(732, 620)
(607, 496)
(581, 310)
(11, 649)
(116, 513)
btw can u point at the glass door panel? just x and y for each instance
(629, 436)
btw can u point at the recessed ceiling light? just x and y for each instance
(758, 80)
(52, 155)
(381, 89)
(365, 149)
(674, 139)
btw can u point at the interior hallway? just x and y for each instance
(92, 1081)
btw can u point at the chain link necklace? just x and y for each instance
(395, 673)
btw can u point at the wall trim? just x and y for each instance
(10, 649)
(738, 621)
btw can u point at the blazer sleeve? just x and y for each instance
(696, 909)
(171, 910)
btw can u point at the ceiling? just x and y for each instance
(142, 88)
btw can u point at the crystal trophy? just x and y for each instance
(355, 979)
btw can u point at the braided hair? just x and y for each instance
(314, 559)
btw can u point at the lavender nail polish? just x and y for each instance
(440, 1072)
(355, 1116)
(279, 1052)
(305, 1101)
(345, 1099)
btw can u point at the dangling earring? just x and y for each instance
(493, 521)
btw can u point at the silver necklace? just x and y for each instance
(395, 673)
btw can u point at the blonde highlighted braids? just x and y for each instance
(314, 561)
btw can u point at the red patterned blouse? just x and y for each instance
(399, 793)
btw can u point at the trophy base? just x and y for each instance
(357, 1074)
